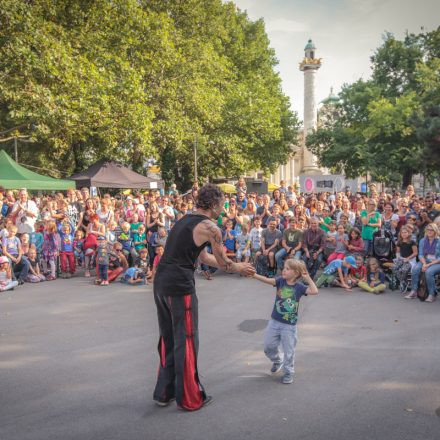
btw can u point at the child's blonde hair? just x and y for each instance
(51, 227)
(296, 265)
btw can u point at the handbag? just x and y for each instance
(422, 291)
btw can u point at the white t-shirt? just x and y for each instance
(25, 223)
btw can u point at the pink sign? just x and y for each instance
(308, 184)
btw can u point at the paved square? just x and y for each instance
(79, 361)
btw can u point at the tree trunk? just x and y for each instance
(407, 177)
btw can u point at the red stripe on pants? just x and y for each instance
(192, 396)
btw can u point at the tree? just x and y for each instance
(387, 126)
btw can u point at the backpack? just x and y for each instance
(422, 291)
(262, 265)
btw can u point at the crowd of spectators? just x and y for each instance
(123, 237)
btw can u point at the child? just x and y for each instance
(159, 253)
(6, 282)
(341, 242)
(406, 253)
(337, 273)
(139, 241)
(281, 329)
(12, 249)
(50, 249)
(133, 275)
(78, 247)
(359, 273)
(25, 245)
(255, 237)
(330, 239)
(243, 245)
(375, 278)
(125, 239)
(111, 234)
(102, 260)
(229, 239)
(34, 274)
(143, 263)
(355, 242)
(36, 238)
(65, 230)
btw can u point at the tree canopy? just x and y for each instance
(131, 79)
(389, 125)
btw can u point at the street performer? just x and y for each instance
(176, 300)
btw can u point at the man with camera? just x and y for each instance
(25, 212)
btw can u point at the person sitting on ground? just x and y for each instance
(359, 273)
(25, 245)
(291, 244)
(143, 263)
(341, 245)
(375, 282)
(34, 274)
(336, 273)
(255, 238)
(133, 276)
(229, 235)
(12, 249)
(355, 243)
(243, 244)
(6, 281)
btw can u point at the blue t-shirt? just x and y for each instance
(333, 267)
(380, 280)
(228, 242)
(285, 309)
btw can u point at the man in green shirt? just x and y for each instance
(291, 243)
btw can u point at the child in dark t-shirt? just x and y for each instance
(281, 329)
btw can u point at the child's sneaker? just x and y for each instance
(104, 283)
(287, 378)
(87, 273)
(276, 366)
(63, 275)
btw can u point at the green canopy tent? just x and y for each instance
(14, 176)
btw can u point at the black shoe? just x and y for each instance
(164, 403)
(276, 366)
(20, 281)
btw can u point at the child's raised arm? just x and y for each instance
(266, 280)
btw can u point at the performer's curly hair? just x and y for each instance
(208, 196)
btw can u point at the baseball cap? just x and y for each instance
(351, 261)
(4, 260)
(288, 214)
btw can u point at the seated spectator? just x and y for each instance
(157, 258)
(255, 238)
(6, 281)
(375, 282)
(341, 241)
(229, 235)
(25, 245)
(12, 249)
(291, 244)
(359, 273)
(330, 239)
(336, 273)
(429, 263)
(243, 245)
(313, 247)
(142, 262)
(355, 243)
(34, 274)
(133, 276)
(406, 253)
(270, 240)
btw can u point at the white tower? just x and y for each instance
(309, 65)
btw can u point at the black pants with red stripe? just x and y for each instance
(178, 348)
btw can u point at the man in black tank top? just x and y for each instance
(176, 300)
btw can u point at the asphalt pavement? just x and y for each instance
(79, 361)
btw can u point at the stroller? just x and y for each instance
(383, 251)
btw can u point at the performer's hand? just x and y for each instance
(245, 269)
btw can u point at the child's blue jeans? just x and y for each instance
(285, 335)
(103, 271)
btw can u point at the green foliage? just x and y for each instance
(389, 125)
(131, 79)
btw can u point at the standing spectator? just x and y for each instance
(25, 212)
(371, 222)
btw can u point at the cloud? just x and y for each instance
(287, 26)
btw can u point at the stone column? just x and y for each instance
(310, 118)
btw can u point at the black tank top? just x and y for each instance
(175, 272)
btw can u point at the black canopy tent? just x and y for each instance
(110, 174)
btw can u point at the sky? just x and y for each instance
(345, 33)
